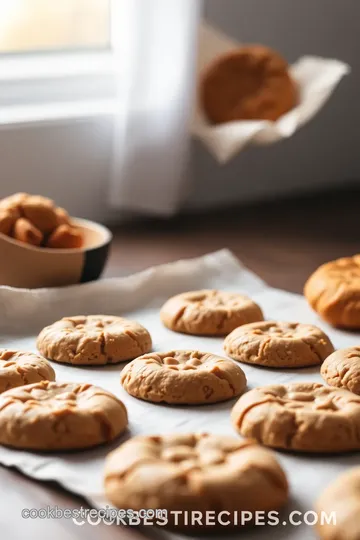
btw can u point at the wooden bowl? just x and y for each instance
(23, 265)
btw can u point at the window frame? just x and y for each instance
(33, 84)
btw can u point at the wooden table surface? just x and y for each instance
(282, 241)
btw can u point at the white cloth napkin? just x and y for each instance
(317, 79)
(24, 312)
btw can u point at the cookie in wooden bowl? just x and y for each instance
(36, 220)
(29, 265)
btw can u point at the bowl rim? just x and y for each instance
(86, 223)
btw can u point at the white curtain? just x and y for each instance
(156, 52)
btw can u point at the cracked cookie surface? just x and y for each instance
(278, 344)
(209, 312)
(187, 377)
(54, 416)
(93, 340)
(342, 498)
(308, 417)
(342, 369)
(18, 368)
(194, 472)
(333, 291)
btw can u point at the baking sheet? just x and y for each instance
(23, 313)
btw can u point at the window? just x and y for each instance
(50, 25)
(56, 56)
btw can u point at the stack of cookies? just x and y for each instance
(197, 471)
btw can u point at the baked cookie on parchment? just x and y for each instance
(333, 291)
(195, 472)
(18, 368)
(209, 312)
(249, 83)
(93, 340)
(186, 377)
(308, 417)
(60, 416)
(342, 369)
(278, 344)
(341, 499)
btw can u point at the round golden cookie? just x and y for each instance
(250, 83)
(209, 312)
(59, 416)
(195, 472)
(333, 291)
(186, 377)
(341, 499)
(342, 369)
(308, 417)
(18, 368)
(278, 344)
(92, 340)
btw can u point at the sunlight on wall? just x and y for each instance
(27, 25)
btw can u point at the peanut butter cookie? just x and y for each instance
(251, 83)
(53, 416)
(95, 339)
(308, 417)
(209, 312)
(19, 368)
(278, 344)
(342, 500)
(187, 377)
(333, 291)
(195, 472)
(342, 369)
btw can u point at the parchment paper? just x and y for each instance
(317, 78)
(23, 313)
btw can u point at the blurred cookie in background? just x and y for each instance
(249, 83)
(333, 291)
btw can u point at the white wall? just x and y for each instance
(71, 158)
(68, 161)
